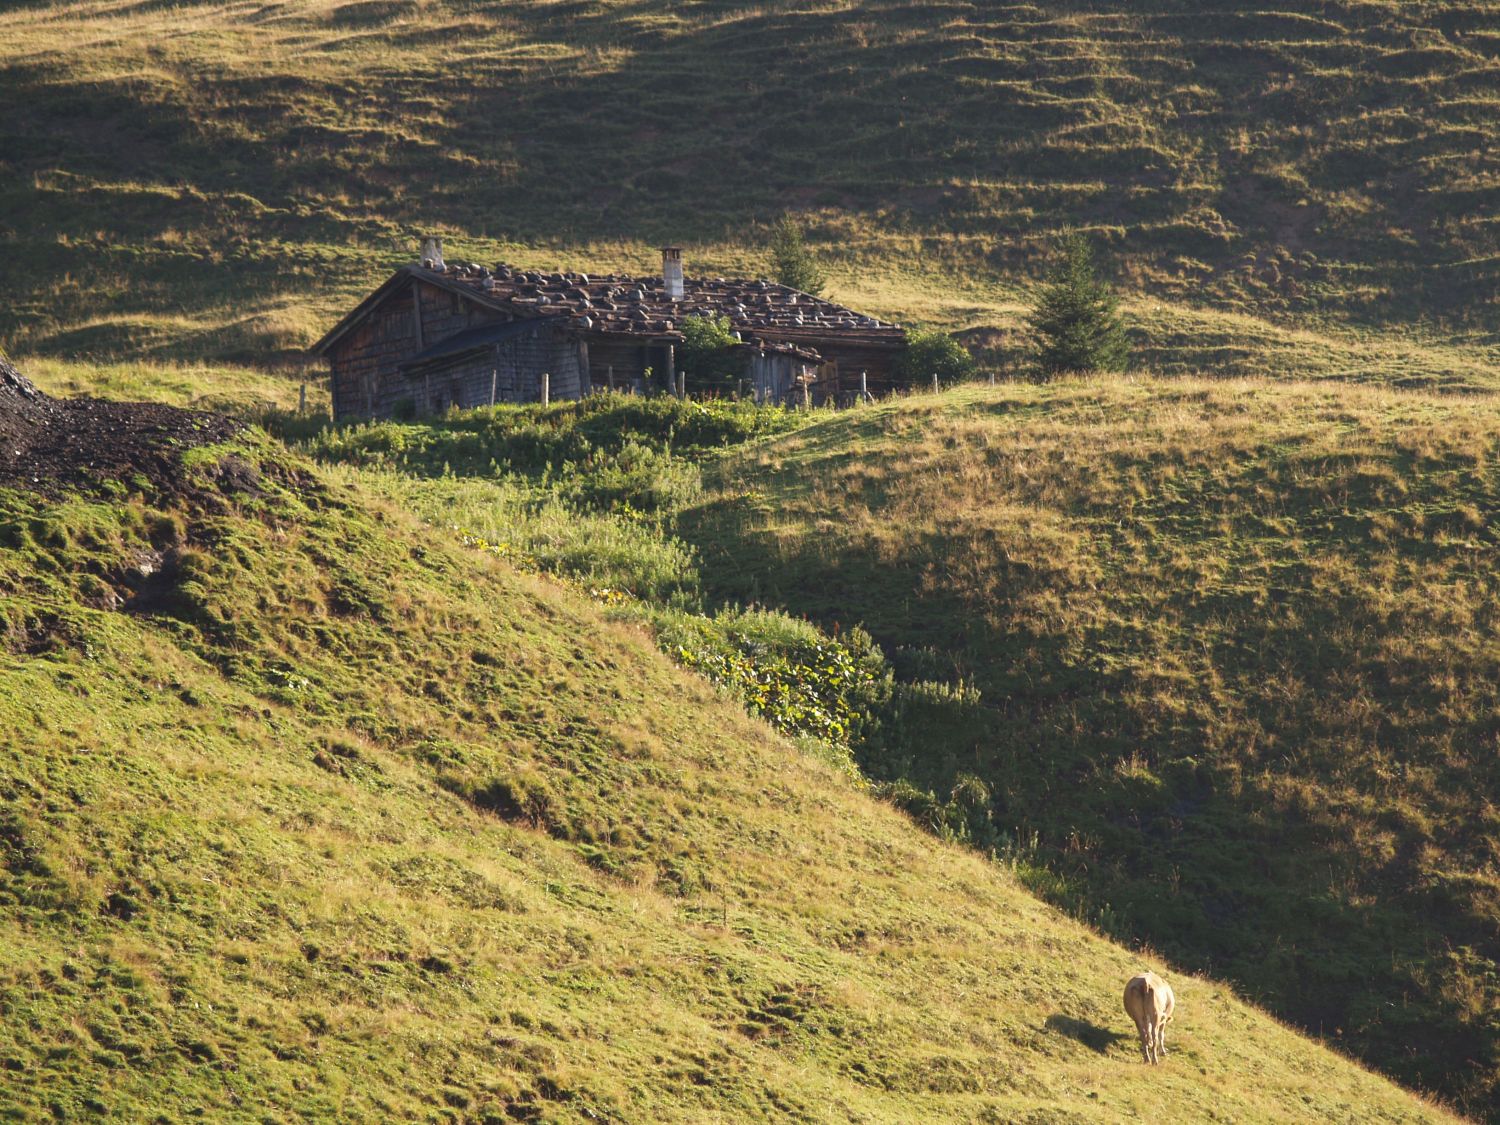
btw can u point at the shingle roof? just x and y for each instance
(639, 305)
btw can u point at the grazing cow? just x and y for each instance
(1149, 1001)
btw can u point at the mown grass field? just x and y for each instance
(222, 179)
(312, 813)
(1233, 645)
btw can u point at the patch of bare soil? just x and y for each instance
(48, 443)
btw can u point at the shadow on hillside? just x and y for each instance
(1149, 820)
(1091, 1035)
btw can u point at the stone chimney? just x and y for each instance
(432, 252)
(671, 271)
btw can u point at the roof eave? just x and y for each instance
(391, 285)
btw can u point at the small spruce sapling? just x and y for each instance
(792, 263)
(1076, 318)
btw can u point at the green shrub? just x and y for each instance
(537, 529)
(801, 681)
(930, 353)
(533, 439)
(963, 818)
(636, 479)
(708, 356)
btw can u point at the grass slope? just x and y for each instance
(221, 178)
(310, 813)
(241, 391)
(1235, 650)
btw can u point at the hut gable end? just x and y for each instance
(367, 350)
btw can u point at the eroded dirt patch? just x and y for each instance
(47, 443)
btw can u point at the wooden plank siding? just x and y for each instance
(514, 367)
(366, 365)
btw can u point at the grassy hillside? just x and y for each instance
(1223, 654)
(310, 812)
(221, 178)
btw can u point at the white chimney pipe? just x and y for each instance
(432, 251)
(671, 271)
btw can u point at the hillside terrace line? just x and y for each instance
(439, 334)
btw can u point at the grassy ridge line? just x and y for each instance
(1235, 647)
(212, 167)
(339, 818)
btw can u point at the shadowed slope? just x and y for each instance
(1235, 650)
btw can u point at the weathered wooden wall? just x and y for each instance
(773, 377)
(512, 368)
(368, 380)
(850, 357)
(628, 357)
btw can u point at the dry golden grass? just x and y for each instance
(220, 180)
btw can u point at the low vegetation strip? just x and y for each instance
(1223, 659)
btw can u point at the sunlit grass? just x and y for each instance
(347, 819)
(179, 168)
(236, 390)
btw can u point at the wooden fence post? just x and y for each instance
(682, 384)
(934, 383)
(302, 399)
(864, 387)
(546, 387)
(611, 370)
(992, 378)
(494, 383)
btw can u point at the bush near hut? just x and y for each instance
(933, 353)
(708, 356)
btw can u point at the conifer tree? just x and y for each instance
(1076, 318)
(792, 263)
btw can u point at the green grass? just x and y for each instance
(222, 180)
(313, 812)
(242, 391)
(1223, 654)
(990, 709)
(1217, 657)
